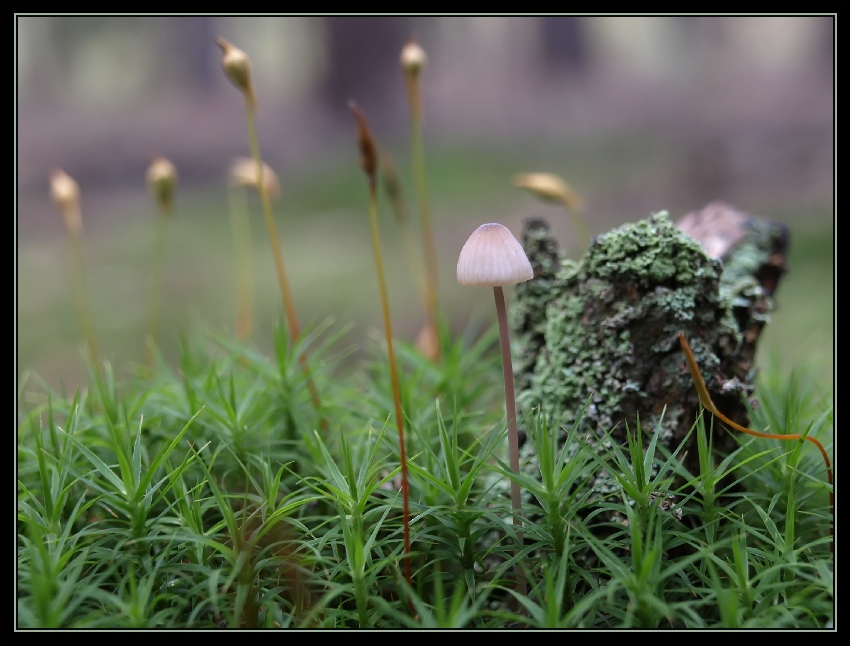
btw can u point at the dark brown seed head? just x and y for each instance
(366, 143)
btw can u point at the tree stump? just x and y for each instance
(605, 328)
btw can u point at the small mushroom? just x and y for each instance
(492, 257)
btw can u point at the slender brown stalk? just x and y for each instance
(399, 416)
(237, 68)
(513, 434)
(368, 161)
(286, 294)
(705, 400)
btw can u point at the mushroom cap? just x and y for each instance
(493, 257)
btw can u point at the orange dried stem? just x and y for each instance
(705, 400)
(294, 330)
(399, 416)
(368, 161)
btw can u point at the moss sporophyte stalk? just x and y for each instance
(237, 68)
(369, 164)
(413, 60)
(162, 182)
(242, 175)
(65, 192)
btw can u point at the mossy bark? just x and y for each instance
(605, 329)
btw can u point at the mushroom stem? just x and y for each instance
(513, 435)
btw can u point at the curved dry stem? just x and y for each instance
(399, 416)
(705, 400)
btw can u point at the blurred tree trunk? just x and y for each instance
(363, 62)
(563, 41)
(193, 44)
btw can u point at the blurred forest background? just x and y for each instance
(639, 114)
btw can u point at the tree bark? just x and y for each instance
(606, 327)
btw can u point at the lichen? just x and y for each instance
(605, 329)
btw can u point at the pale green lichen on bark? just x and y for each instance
(606, 328)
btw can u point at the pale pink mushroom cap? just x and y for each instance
(493, 257)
